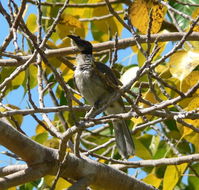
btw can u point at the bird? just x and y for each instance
(96, 82)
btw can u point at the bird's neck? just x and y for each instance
(83, 59)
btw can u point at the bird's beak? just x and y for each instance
(75, 38)
(71, 36)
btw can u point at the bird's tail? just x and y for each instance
(123, 139)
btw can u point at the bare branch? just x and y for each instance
(123, 43)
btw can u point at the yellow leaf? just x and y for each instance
(163, 71)
(182, 63)
(195, 15)
(152, 179)
(64, 43)
(193, 105)
(74, 103)
(69, 24)
(172, 176)
(67, 73)
(150, 97)
(188, 133)
(81, 13)
(184, 103)
(139, 15)
(40, 129)
(102, 161)
(61, 183)
(193, 138)
(195, 44)
(191, 80)
(32, 23)
(12, 188)
(137, 121)
(51, 44)
(40, 138)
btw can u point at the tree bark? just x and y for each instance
(43, 161)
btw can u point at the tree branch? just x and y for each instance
(45, 162)
(122, 44)
(32, 152)
(159, 162)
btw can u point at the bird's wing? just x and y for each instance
(107, 75)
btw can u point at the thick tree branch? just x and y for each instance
(105, 177)
(123, 43)
(32, 152)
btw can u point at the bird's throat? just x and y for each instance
(84, 59)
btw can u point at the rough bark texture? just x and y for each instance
(43, 161)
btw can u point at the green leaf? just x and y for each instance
(160, 171)
(182, 22)
(6, 71)
(41, 138)
(18, 80)
(103, 29)
(31, 23)
(142, 146)
(33, 76)
(193, 179)
(50, 12)
(52, 143)
(154, 144)
(171, 124)
(162, 149)
(30, 186)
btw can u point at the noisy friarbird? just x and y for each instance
(96, 82)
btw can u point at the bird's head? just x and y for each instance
(84, 46)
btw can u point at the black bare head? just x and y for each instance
(84, 46)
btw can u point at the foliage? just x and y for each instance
(173, 134)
